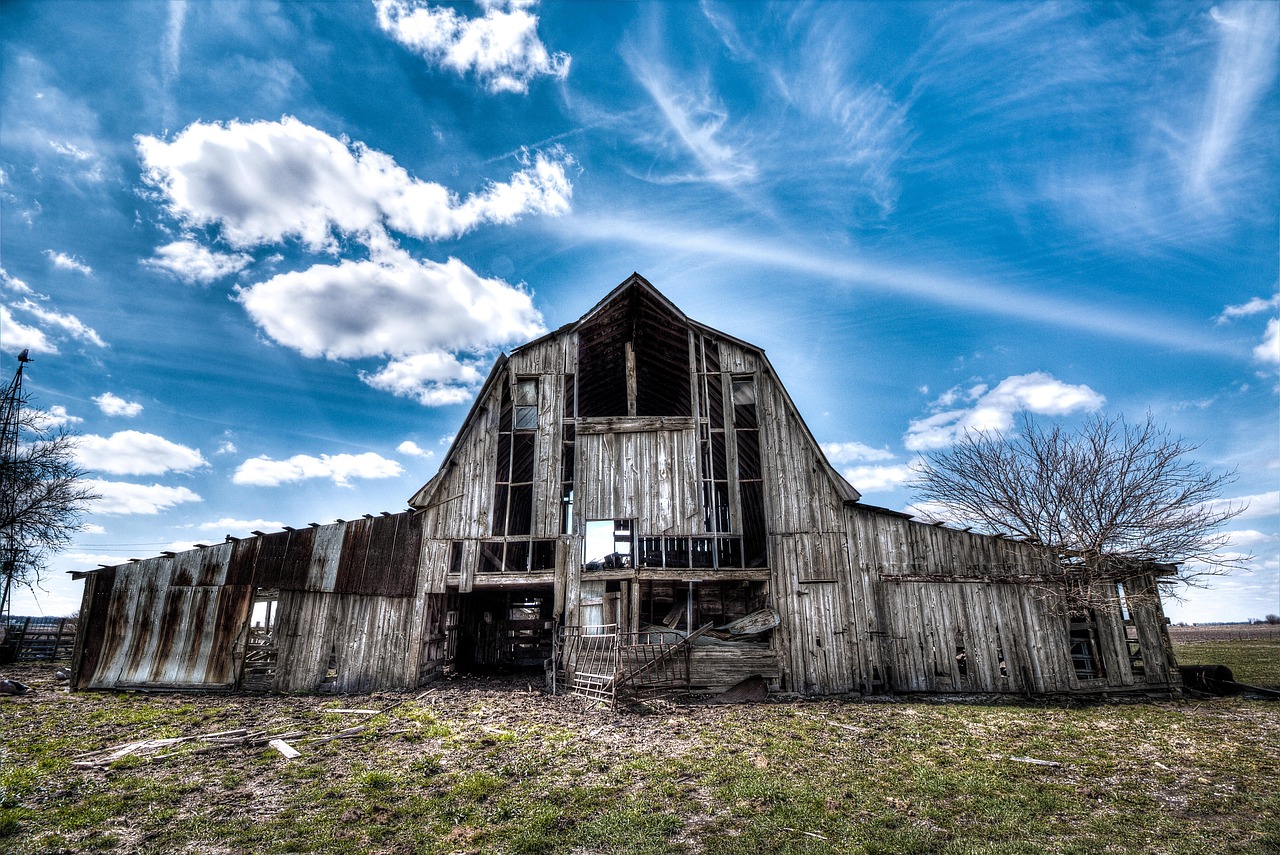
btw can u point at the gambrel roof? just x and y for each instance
(631, 302)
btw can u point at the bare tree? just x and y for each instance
(1107, 496)
(42, 489)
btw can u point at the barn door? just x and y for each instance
(823, 622)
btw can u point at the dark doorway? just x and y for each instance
(504, 630)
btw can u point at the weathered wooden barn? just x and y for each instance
(633, 502)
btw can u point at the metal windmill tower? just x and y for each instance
(10, 422)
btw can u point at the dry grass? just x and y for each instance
(490, 766)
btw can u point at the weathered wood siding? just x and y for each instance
(347, 590)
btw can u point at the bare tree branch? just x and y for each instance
(1109, 495)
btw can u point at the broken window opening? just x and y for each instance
(608, 545)
(525, 555)
(1133, 646)
(686, 606)
(456, 550)
(526, 404)
(1083, 640)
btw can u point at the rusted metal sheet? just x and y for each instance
(355, 549)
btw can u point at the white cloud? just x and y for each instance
(229, 525)
(191, 262)
(993, 409)
(67, 262)
(840, 453)
(873, 479)
(70, 324)
(1256, 306)
(697, 118)
(1258, 505)
(1249, 36)
(264, 472)
(118, 497)
(1269, 350)
(56, 416)
(13, 283)
(433, 379)
(131, 452)
(114, 405)
(419, 313)
(410, 448)
(93, 528)
(1248, 538)
(18, 336)
(229, 175)
(501, 48)
(226, 447)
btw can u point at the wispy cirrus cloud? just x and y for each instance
(696, 123)
(501, 48)
(1248, 36)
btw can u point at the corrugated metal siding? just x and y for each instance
(178, 620)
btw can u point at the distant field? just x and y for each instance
(481, 766)
(1251, 651)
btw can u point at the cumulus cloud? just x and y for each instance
(118, 497)
(114, 405)
(341, 468)
(853, 452)
(873, 479)
(409, 448)
(501, 48)
(993, 409)
(433, 379)
(193, 263)
(419, 313)
(131, 452)
(229, 525)
(62, 261)
(265, 182)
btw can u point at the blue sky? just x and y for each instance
(263, 254)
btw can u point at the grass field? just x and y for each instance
(493, 766)
(1252, 652)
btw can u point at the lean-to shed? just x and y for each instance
(633, 502)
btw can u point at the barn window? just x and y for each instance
(1083, 637)
(609, 544)
(455, 557)
(526, 413)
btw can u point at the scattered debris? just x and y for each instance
(13, 687)
(1034, 762)
(285, 748)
